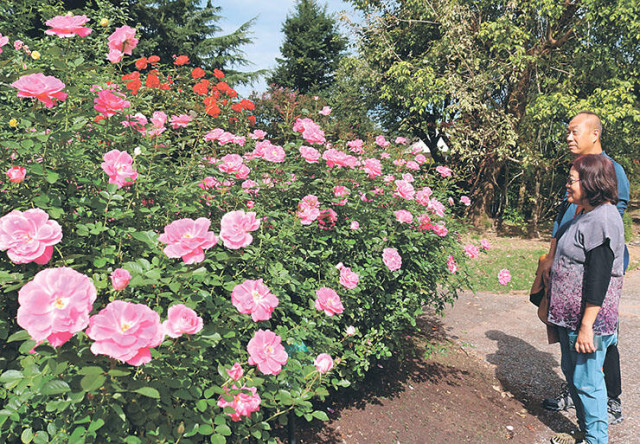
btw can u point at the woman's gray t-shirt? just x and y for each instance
(586, 232)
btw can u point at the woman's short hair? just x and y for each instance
(597, 179)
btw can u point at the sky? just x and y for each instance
(270, 15)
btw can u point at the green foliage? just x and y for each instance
(311, 50)
(501, 80)
(69, 394)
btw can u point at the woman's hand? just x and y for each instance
(584, 343)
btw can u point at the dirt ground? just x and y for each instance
(486, 388)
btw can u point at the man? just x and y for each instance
(583, 137)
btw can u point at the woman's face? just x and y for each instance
(574, 189)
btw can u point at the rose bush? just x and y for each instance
(174, 267)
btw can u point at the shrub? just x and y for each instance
(217, 266)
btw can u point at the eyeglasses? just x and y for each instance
(571, 180)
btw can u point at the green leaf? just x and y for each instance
(148, 237)
(149, 392)
(224, 430)
(96, 424)
(322, 416)
(11, 375)
(27, 435)
(41, 437)
(205, 429)
(91, 370)
(52, 177)
(116, 372)
(92, 382)
(218, 439)
(55, 387)
(21, 335)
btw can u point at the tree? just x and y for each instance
(501, 79)
(311, 51)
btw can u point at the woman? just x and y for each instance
(585, 289)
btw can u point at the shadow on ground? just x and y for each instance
(529, 375)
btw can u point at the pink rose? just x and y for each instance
(181, 319)
(108, 103)
(235, 227)
(504, 276)
(29, 236)
(311, 155)
(420, 159)
(253, 297)
(119, 167)
(188, 238)
(16, 174)
(348, 278)
(308, 209)
(236, 371)
(465, 201)
(311, 131)
(471, 251)
(273, 153)
(323, 363)
(341, 191)
(404, 189)
(327, 300)
(68, 26)
(424, 222)
(120, 279)
(266, 351)
(123, 40)
(382, 142)
(440, 230)
(244, 401)
(43, 88)
(451, 263)
(55, 305)
(413, 165)
(356, 146)
(125, 331)
(373, 167)
(338, 158)
(485, 244)
(400, 141)
(351, 330)
(436, 207)
(258, 134)
(327, 219)
(404, 216)
(4, 40)
(355, 225)
(444, 171)
(391, 259)
(325, 111)
(181, 121)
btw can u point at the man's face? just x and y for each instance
(581, 135)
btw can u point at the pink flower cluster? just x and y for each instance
(404, 216)
(234, 164)
(451, 263)
(119, 167)
(125, 331)
(269, 152)
(188, 238)
(121, 42)
(373, 167)
(55, 305)
(355, 146)
(444, 171)
(16, 174)
(108, 103)
(327, 300)
(327, 219)
(308, 209)
(338, 158)
(348, 278)
(180, 320)
(391, 259)
(323, 363)
(471, 251)
(504, 276)
(68, 26)
(235, 227)
(311, 155)
(244, 402)
(311, 131)
(254, 298)
(29, 236)
(267, 352)
(41, 87)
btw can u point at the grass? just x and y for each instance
(519, 256)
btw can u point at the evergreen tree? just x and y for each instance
(311, 51)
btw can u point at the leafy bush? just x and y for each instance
(138, 169)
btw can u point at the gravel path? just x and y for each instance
(504, 331)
